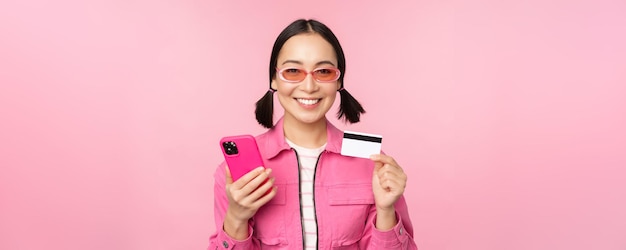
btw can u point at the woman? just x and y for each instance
(309, 196)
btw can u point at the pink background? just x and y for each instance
(508, 116)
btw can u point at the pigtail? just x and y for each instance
(349, 108)
(265, 109)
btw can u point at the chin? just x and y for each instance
(310, 120)
(307, 117)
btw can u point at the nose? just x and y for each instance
(309, 84)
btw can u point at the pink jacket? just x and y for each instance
(344, 202)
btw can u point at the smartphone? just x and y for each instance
(241, 154)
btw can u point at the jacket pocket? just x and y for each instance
(350, 207)
(345, 245)
(273, 243)
(350, 194)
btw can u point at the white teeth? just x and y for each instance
(308, 101)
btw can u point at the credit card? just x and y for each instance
(357, 144)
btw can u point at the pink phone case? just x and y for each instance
(241, 153)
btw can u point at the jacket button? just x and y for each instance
(401, 230)
(225, 244)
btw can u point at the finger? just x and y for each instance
(392, 175)
(229, 178)
(384, 159)
(392, 182)
(249, 187)
(241, 182)
(392, 166)
(266, 198)
(243, 195)
(261, 190)
(388, 174)
(392, 186)
(377, 166)
(387, 168)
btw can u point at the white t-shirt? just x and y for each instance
(308, 160)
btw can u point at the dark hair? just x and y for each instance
(349, 108)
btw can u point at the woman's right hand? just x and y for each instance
(245, 197)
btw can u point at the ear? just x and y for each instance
(339, 85)
(274, 85)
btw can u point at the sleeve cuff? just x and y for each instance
(394, 237)
(226, 242)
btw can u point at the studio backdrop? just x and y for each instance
(507, 116)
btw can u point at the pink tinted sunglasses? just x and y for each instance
(296, 75)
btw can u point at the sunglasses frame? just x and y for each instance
(280, 74)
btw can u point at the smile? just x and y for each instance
(308, 101)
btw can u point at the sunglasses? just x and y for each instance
(296, 75)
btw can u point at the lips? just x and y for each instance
(307, 101)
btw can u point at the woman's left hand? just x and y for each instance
(388, 181)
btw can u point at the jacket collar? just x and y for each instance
(276, 139)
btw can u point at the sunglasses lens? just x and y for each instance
(293, 74)
(326, 75)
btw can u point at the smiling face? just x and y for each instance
(308, 101)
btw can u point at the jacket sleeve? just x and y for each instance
(398, 237)
(221, 240)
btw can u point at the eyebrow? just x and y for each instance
(317, 64)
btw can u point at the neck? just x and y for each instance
(308, 135)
